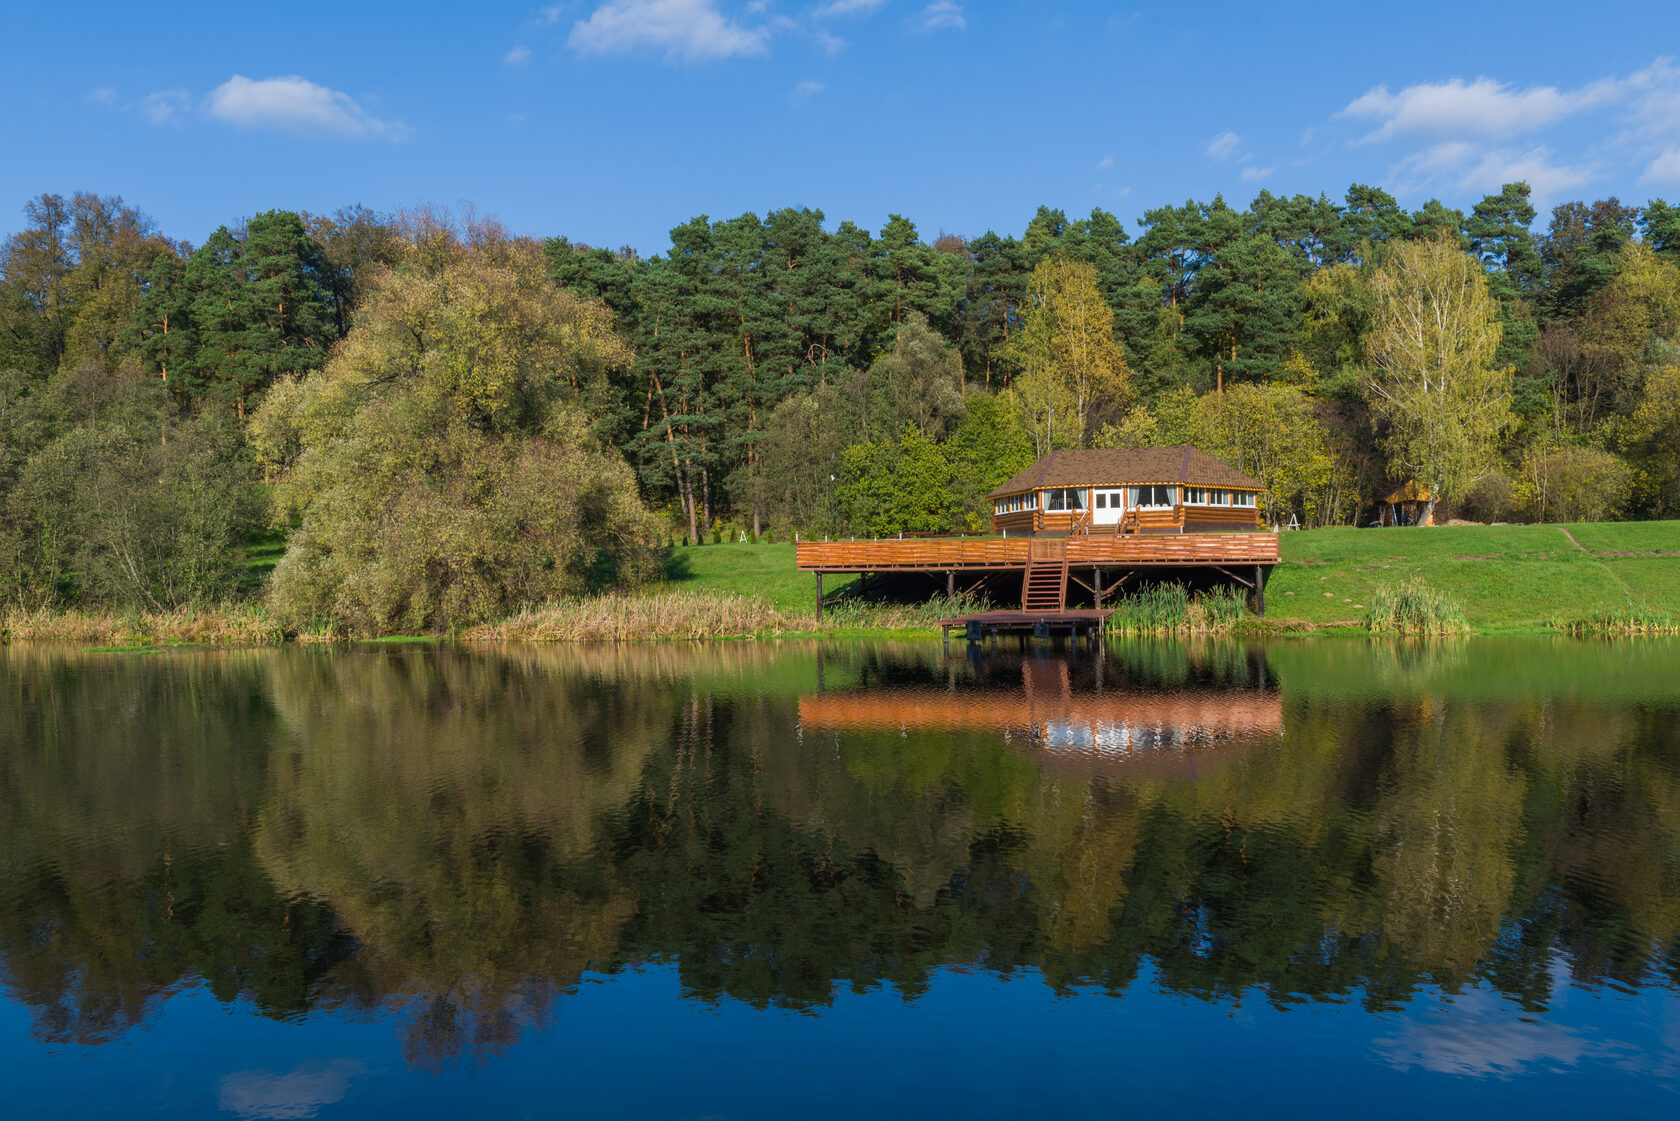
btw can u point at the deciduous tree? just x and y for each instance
(1442, 402)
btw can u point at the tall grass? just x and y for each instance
(857, 614)
(629, 616)
(1414, 608)
(1171, 609)
(244, 625)
(1620, 621)
(625, 616)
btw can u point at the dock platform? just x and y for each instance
(1074, 623)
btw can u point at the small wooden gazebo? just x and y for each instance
(1406, 504)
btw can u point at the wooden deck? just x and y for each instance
(1003, 554)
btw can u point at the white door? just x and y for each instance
(1106, 510)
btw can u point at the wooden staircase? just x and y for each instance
(1044, 588)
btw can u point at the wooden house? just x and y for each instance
(1127, 490)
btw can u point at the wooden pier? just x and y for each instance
(1100, 563)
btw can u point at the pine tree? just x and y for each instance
(163, 333)
(1499, 234)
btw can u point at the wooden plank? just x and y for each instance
(949, 554)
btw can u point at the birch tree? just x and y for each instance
(1067, 354)
(1433, 384)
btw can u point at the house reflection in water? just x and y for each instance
(1071, 711)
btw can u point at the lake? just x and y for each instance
(751, 880)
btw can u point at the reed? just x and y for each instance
(1414, 608)
(1163, 609)
(1620, 621)
(628, 616)
(856, 614)
(239, 625)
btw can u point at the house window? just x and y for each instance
(1012, 504)
(1064, 498)
(1155, 497)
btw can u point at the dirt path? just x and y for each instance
(1614, 575)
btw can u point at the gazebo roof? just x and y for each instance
(1086, 467)
(1408, 491)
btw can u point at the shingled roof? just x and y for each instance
(1118, 467)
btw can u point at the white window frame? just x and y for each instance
(1135, 496)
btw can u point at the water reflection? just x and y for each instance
(1068, 709)
(455, 837)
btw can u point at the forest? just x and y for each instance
(445, 421)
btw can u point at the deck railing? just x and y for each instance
(1083, 551)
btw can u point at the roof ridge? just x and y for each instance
(1048, 460)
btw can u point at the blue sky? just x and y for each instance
(610, 121)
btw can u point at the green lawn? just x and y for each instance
(261, 553)
(1507, 577)
(765, 571)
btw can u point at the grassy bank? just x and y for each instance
(1504, 578)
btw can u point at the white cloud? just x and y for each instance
(294, 104)
(831, 44)
(692, 30)
(101, 95)
(302, 1092)
(1105, 162)
(1255, 174)
(1470, 168)
(1546, 178)
(1223, 146)
(165, 105)
(1482, 108)
(1464, 134)
(848, 8)
(1484, 1036)
(943, 16)
(1654, 99)
(1664, 169)
(552, 13)
(519, 56)
(810, 87)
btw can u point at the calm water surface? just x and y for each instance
(750, 881)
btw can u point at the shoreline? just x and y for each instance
(252, 629)
(1604, 579)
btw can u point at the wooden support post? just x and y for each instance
(1096, 580)
(819, 597)
(1260, 591)
(950, 585)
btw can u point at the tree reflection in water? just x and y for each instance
(457, 836)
